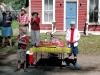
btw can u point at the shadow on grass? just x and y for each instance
(7, 50)
(54, 65)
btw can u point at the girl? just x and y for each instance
(35, 28)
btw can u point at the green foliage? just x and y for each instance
(15, 24)
(6, 1)
(16, 4)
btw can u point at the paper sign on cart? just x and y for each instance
(48, 49)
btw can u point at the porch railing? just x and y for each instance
(53, 27)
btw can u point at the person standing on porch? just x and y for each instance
(23, 19)
(72, 37)
(35, 28)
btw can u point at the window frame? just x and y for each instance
(93, 23)
(94, 11)
(43, 12)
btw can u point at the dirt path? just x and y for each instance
(88, 65)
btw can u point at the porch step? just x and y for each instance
(61, 33)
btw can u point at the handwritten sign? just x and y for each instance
(52, 50)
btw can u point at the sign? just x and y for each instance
(51, 49)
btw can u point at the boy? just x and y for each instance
(72, 38)
(22, 43)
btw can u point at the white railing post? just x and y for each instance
(53, 26)
(86, 28)
(29, 15)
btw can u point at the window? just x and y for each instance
(48, 11)
(93, 11)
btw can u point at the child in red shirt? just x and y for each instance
(22, 44)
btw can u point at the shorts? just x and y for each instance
(74, 50)
(21, 54)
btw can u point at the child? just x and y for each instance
(35, 28)
(73, 37)
(22, 43)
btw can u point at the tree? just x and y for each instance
(6, 1)
(16, 4)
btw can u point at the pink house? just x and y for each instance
(84, 12)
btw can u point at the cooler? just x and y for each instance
(29, 58)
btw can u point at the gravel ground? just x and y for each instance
(88, 65)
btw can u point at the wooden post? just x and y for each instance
(53, 26)
(86, 28)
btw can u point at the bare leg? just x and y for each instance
(3, 41)
(10, 41)
(18, 64)
(25, 66)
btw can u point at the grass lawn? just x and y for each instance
(14, 24)
(87, 45)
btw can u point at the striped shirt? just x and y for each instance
(23, 19)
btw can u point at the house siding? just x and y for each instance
(94, 28)
(37, 5)
(59, 17)
(82, 15)
(82, 18)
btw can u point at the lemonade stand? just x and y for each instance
(51, 47)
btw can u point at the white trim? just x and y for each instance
(65, 13)
(94, 32)
(77, 12)
(71, 0)
(45, 31)
(99, 12)
(90, 32)
(81, 31)
(87, 11)
(43, 12)
(29, 14)
(88, 3)
(93, 23)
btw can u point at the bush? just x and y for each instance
(14, 14)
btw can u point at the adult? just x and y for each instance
(1, 16)
(23, 19)
(35, 28)
(73, 37)
(6, 27)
